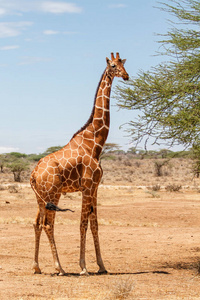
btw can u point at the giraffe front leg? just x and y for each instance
(83, 230)
(94, 230)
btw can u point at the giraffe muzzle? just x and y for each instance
(125, 77)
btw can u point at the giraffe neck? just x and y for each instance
(94, 133)
(101, 115)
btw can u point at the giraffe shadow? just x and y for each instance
(113, 273)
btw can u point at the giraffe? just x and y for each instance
(76, 167)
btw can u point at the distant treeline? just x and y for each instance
(109, 150)
(20, 163)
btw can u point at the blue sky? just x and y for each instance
(52, 55)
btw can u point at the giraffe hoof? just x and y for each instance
(38, 272)
(36, 269)
(62, 273)
(60, 270)
(103, 272)
(84, 272)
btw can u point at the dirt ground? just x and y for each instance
(150, 243)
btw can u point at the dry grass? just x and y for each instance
(16, 220)
(153, 194)
(121, 289)
(142, 172)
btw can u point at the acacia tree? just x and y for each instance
(17, 167)
(17, 162)
(52, 149)
(2, 162)
(109, 148)
(167, 97)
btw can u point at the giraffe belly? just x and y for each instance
(69, 189)
(70, 186)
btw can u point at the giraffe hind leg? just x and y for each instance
(49, 230)
(38, 230)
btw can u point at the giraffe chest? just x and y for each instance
(70, 179)
(77, 176)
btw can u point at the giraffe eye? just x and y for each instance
(113, 66)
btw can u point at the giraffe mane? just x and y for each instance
(92, 113)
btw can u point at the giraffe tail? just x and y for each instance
(51, 206)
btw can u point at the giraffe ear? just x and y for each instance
(123, 61)
(108, 60)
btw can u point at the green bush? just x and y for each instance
(17, 167)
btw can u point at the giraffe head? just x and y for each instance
(115, 67)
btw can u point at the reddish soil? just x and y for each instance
(150, 244)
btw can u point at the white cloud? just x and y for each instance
(50, 32)
(54, 32)
(29, 60)
(11, 7)
(21, 6)
(60, 7)
(8, 149)
(2, 11)
(120, 5)
(9, 47)
(10, 29)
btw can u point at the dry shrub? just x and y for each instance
(158, 166)
(156, 187)
(122, 289)
(2, 187)
(153, 194)
(137, 164)
(127, 163)
(198, 268)
(13, 188)
(173, 188)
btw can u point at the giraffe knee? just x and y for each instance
(37, 227)
(93, 225)
(84, 225)
(47, 227)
